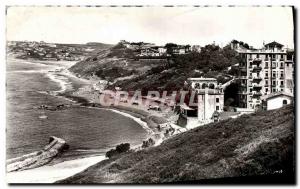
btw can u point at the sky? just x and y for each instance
(160, 25)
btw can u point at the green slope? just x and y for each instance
(256, 144)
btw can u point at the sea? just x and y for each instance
(29, 84)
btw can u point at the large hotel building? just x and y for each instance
(264, 71)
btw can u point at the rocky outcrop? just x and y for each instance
(38, 158)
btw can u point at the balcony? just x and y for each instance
(281, 67)
(266, 67)
(257, 78)
(257, 94)
(257, 69)
(243, 77)
(257, 87)
(257, 60)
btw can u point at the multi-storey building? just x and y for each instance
(264, 71)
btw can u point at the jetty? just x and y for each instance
(38, 158)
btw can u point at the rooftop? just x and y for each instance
(201, 79)
(185, 107)
(273, 44)
(272, 95)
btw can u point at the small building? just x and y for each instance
(149, 52)
(276, 100)
(209, 102)
(210, 96)
(162, 50)
(196, 48)
(188, 111)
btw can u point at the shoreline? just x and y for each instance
(53, 173)
(63, 78)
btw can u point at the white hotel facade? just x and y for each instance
(264, 71)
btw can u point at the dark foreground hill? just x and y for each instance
(260, 144)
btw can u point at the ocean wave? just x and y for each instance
(63, 82)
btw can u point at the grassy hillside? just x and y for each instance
(252, 145)
(122, 67)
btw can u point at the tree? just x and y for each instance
(121, 148)
(169, 47)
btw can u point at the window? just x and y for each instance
(284, 102)
(274, 82)
(267, 82)
(266, 90)
(273, 64)
(273, 56)
(204, 85)
(281, 74)
(217, 107)
(211, 86)
(267, 74)
(250, 90)
(257, 55)
(281, 83)
(274, 90)
(274, 74)
(281, 64)
(266, 64)
(281, 56)
(217, 100)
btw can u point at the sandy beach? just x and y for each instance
(80, 92)
(52, 173)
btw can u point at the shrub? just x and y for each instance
(121, 148)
